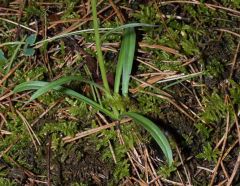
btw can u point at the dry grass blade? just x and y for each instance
(93, 131)
(212, 6)
(161, 47)
(32, 134)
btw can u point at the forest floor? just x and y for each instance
(185, 78)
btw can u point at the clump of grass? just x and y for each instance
(123, 72)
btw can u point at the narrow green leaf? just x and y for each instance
(98, 46)
(29, 85)
(108, 30)
(12, 60)
(155, 132)
(35, 85)
(79, 32)
(125, 60)
(59, 82)
(121, 60)
(12, 43)
(126, 26)
(129, 47)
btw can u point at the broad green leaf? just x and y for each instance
(3, 60)
(155, 132)
(28, 51)
(129, 43)
(31, 39)
(2, 57)
(35, 85)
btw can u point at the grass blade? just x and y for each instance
(35, 85)
(98, 46)
(121, 60)
(126, 26)
(59, 82)
(78, 32)
(125, 60)
(129, 43)
(30, 85)
(155, 132)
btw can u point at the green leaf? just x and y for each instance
(2, 57)
(35, 85)
(30, 85)
(125, 61)
(98, 46)
(59, 82)
(31, 39)
(28, 51)
(121, 59)
(129, 43)
(155, 132)
(3, 60)
(126, 26)
(110, 30)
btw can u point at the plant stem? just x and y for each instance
(99, 53)
(98, 46)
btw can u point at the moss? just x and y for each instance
(7, 182)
